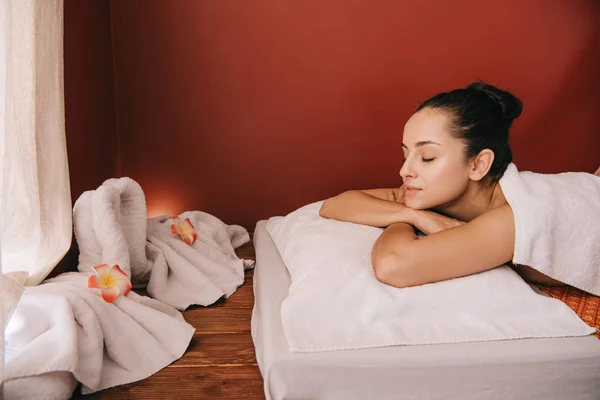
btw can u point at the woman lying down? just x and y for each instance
(478, 212)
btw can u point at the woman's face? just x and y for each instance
(434, 171)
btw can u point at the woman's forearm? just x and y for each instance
(362, 208)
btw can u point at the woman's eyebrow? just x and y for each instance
(422, 143)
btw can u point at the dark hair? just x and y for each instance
(481, 115)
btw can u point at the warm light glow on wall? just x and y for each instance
(163, 203)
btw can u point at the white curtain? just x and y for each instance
(35, 199)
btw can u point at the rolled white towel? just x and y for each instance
(110, 228)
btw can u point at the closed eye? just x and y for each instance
(427, 159)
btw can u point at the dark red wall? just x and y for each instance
(90, 115)
(90, 112)
(248, 109)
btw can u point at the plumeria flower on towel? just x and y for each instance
(184, 229)
(111, 281)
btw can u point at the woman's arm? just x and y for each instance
(486, 242)
(368, 207)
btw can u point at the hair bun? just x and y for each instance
(511, 105)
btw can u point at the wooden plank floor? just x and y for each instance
(219, 362)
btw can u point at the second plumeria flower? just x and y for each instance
(185, 229)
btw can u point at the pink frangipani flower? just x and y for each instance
(184, 229)
(111, 281)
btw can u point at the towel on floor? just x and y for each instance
(61, 325)
(58, 385)
(335, 301)
(199, 273)
(111, 227)
(557, 224)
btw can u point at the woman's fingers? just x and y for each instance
(431, 222)
(396, 195)
(456, 222)
(400, 196)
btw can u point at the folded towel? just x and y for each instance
(557, 224)
(61, 325)
(110, 227)
(199, 273)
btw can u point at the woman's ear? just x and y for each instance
(481, 164)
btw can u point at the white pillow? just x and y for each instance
(335, 302)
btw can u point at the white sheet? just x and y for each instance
(553, 369)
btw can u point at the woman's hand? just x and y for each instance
(430, 222)
(396, 195)
(426, 221)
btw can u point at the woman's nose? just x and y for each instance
(406, 171)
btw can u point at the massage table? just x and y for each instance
(557, 368)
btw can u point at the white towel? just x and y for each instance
(557, 223)
(61, 325)
(11, 288)
(58, 385)
(199, 273)
(110, 227)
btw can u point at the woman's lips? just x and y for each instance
(410, 191)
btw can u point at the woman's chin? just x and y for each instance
(414, 204)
